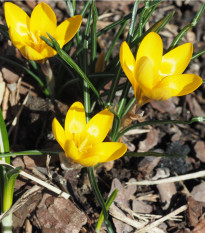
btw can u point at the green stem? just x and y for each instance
(90, 170)
(128, 106)
(68, 60)
(162, 122)
(114, 86)
(28, 152)
(94, 37)
(109, 52)
(98, 195)
(197, 55)
(123, 98)
(153, 153)
(86, 89)
(186, 28)
(108, 203)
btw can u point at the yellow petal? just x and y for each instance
(176, 61)
(161, 93)
(97, 129)
(67, 29)
(47, 51)
(151, 47)
(71, 151)
(191, 84)
(127, 62)
(176, 85)
(107, 151)
(43, 20)
(144, 73)
(17, 20)
(58, 132)
(116, 150)
(89, 162)
(75, 122)
(33, 55)
(17, 40)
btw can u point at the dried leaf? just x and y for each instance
(194, 211)
(198, 192)
(167, 191)
(121, 199)
(164, 106)
(200, 150)
(150, 141)
(60, 215)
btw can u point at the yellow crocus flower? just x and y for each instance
(83, 143)
(25, 31)
(157, 77)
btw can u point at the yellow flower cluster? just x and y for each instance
(152, 75)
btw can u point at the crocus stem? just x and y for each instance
(50, 79)
(6, 224)
(100, 200)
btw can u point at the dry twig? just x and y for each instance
(170, 179)
(163, 219)
(38, 181)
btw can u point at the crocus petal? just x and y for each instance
(176, 85)
(151, 47)
(47, 51)
(67, 29)
(144, 73)
(71, 151)
(89, 162)
(43, 20)
(192, 82)
(176, 61)
(16, 19)
(58, 132)
(96, 129)
(107, 151)
(17, 40)
(75, 121)
(127, 62)
(33, 55)
(158, 93)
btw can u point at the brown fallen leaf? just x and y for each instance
(150, 141)
(121, 199)
(166, 191)
(164, 106)
(200, 150)
(194, 211)
(131, 189)
(141, 207)
(198, 192)
(147, 164)
(200, 228)
(122, 5)
(9, 75)
(194, 106)
(25, 210)
(59, 215)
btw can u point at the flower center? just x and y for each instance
(35, 41)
